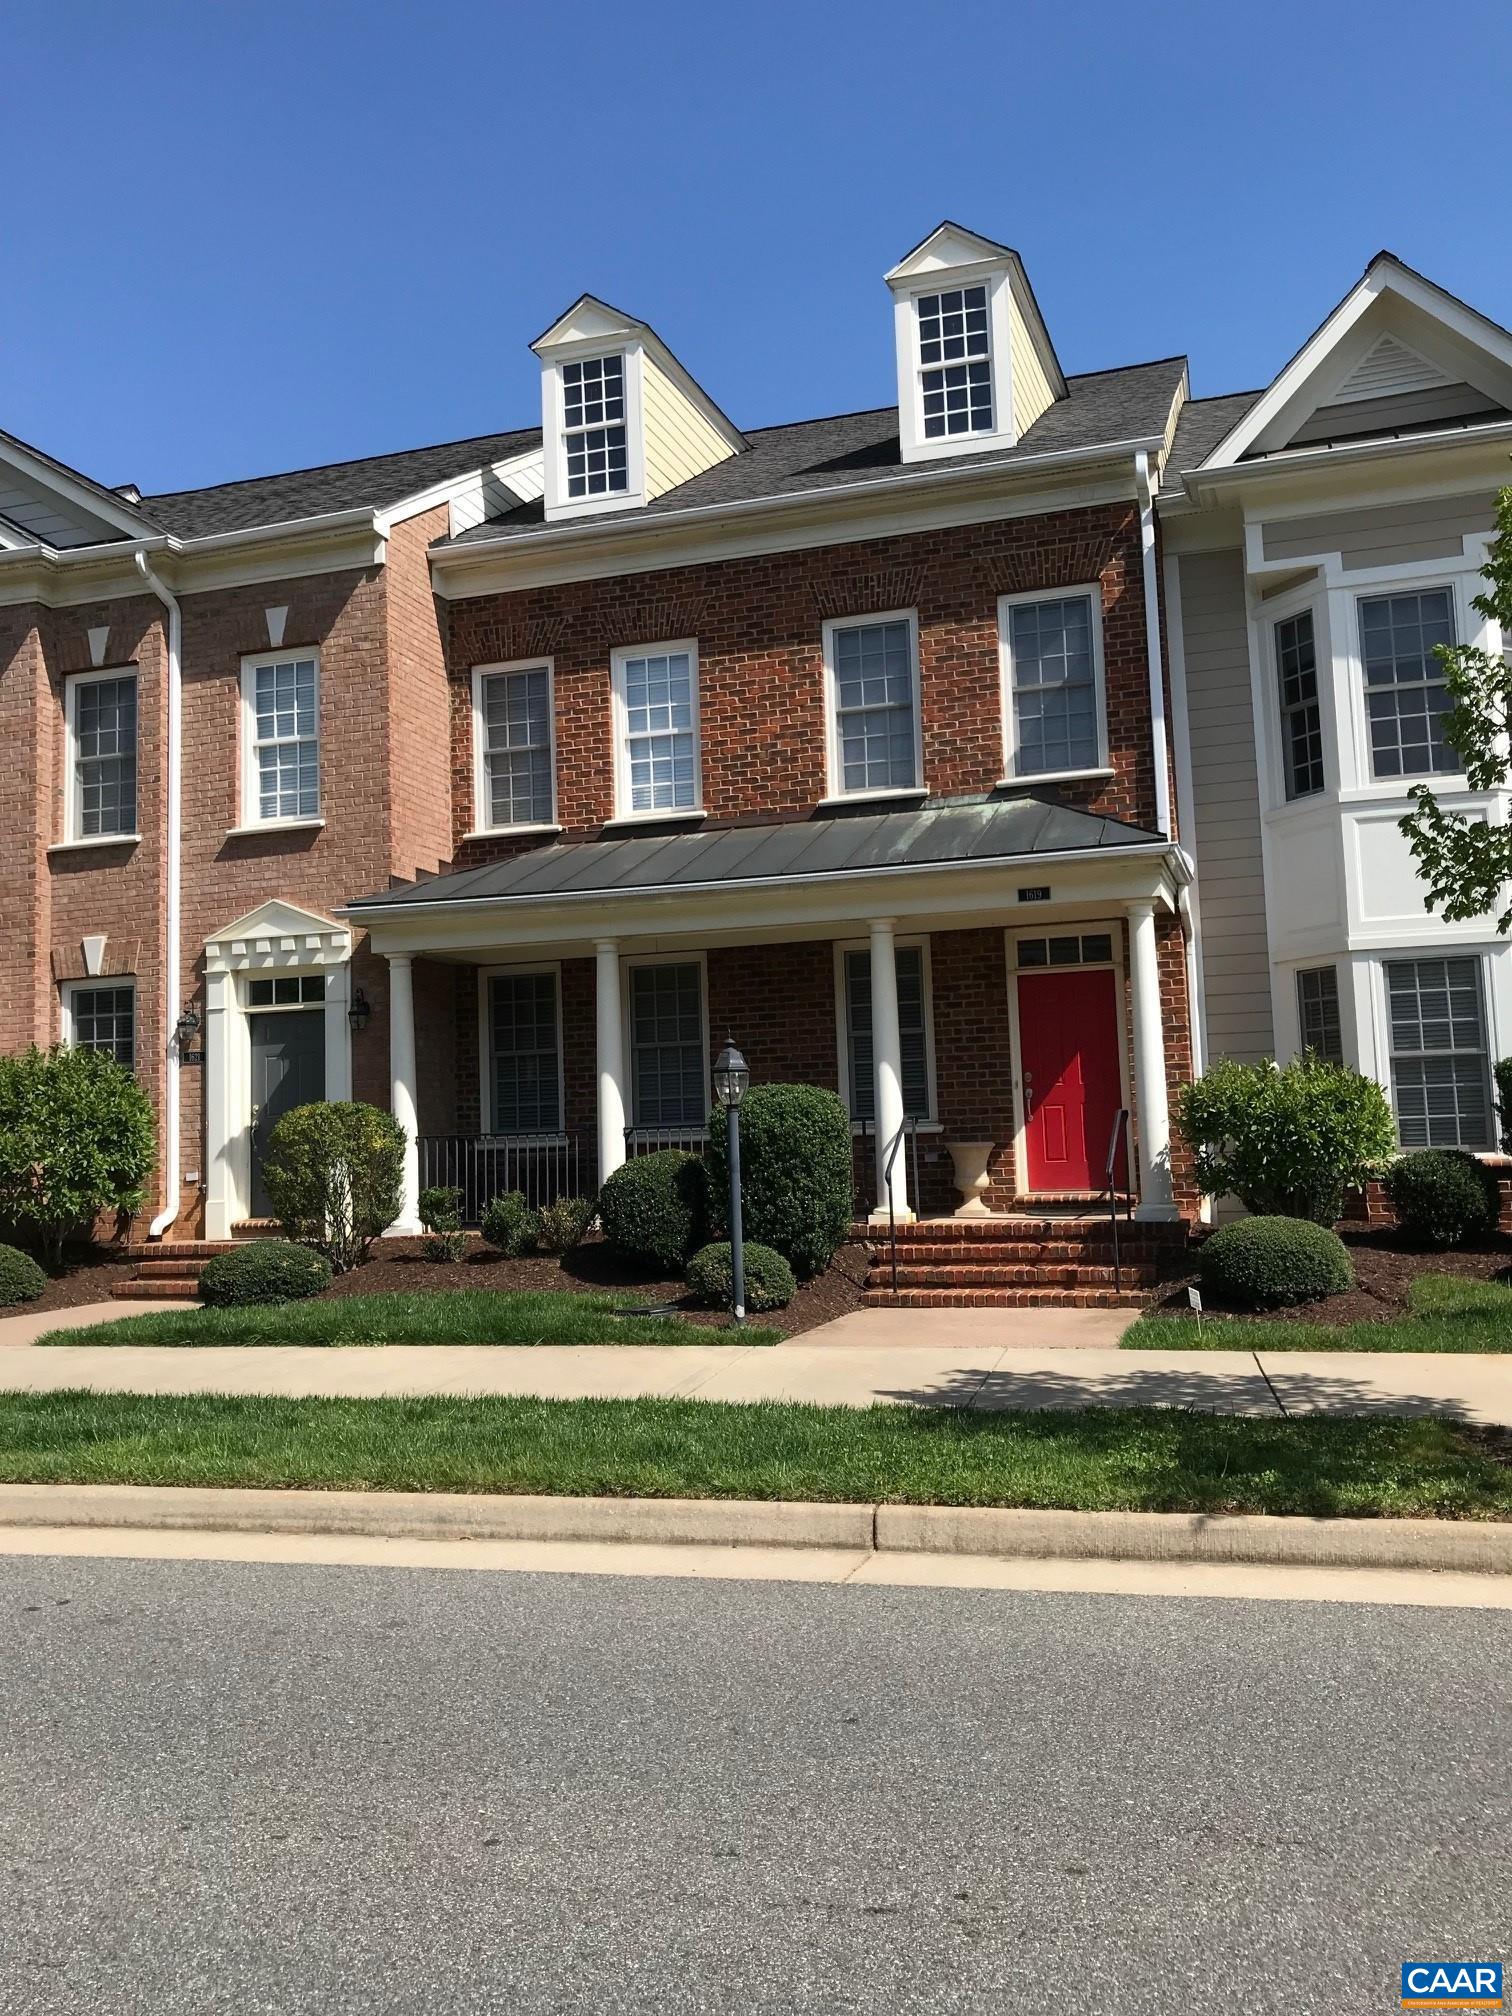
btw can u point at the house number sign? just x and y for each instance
(1039, 895)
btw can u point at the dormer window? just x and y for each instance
(594, 437)
(955, 362)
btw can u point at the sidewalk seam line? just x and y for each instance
(1280, 1403)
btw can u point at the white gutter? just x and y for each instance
(1158, 736)
(171, 930)
(1282, 461)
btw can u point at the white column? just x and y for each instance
(219, 1078)
(1152, 1114)
(404, 1085)
(887, 1070)
(611, 1059)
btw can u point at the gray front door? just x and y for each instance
(288, 1069)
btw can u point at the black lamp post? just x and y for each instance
(731, 1077)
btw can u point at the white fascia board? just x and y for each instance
(451, 487)
(1306, 461)
(99, 503)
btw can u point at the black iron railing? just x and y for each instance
(908, 1130)
(1116, 1166)
(646, 1140)
(483, 1166)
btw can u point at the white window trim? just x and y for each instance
(627, 1027)
(1491, 1021)
(481, 800)
(1092, 590)
(835, 791)
(1468, 624)
(916, 445)
(486, 1088)
(250, 821)
(72, 810)
(931, 1123)
(559, 504)
(618, 659)
(93, 985)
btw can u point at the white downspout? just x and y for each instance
(171, 948)
(1158, 736)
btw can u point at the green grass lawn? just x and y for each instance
(1145, 1459)
(463, 1316)
(1447, 1314)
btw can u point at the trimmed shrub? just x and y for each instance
(562, 1225)
(1287, 1143)
(264, 1270)
(21, 1279)
(77, 1138)
(440, 1208)
(510, 1224)
(1442, 1197)
(655, 1209)
(769, 1282)
(796, 1180)
(1270, 1263)
(334, 1172)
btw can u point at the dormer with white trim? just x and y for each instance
(976, 367)
(622, 422)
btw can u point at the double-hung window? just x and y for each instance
(1052, 677)
(1301, 717)
(955, 362)
(512, 729)
(913, 1029)
(669, 1084)
(1406, 697)
(656, 708)
(103, 1018)
(874, 685)
(281, 697)
(1318, 1021)
(102, 720)
(525, 1051)
(595, 443)
(1440, 1064)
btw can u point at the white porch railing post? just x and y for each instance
(404, 1088)
(611, 1059)
(1152, 1113)
(887, 1070)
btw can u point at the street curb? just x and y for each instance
(1467, 1546)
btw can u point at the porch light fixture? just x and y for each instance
(359, 1014)
(732, 1075)
(187, 1028)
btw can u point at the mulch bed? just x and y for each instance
(398, 1266)
(88, 1276)
(1384, 1266)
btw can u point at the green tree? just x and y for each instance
(1286, 1142)
(76, 1139)
(1467, 862)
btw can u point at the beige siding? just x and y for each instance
(1226, 808)
(1384, 535)
(680, 441)
(1033, 393)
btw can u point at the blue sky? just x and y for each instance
(242, 237)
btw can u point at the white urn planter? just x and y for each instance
(970, 1160)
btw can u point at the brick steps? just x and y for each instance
(175, 1288)
(1004, 1298)
(1069, 1275)
(1043, 1259)
(167, 1270)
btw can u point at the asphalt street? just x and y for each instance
(244, 1788)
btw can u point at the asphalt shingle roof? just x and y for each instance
(1204, 423)
(997, 829)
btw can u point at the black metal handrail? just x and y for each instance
(647, 1140)
(909, 1126)
(1119, 1137)
(542, 1166)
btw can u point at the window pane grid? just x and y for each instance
(1406, 697)
(296, 991)
(105, 756)
(1054, 686)
(1301, 717)
(523, 1026)
(285, 740)
(660, 747)
(593, 421)
(874, 707)
(104, 1018)
(1318, 1013)
(909, 961)
(1438, 1053)
(955, 356)
(517, 747)
(667, 1046)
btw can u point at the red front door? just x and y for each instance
(1068, 1044)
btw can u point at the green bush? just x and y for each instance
(264, 1270)
(440, 1208)
(1287, 1143)
(561, 1226)
(510, 1224)
(334, 1173)
(796, 1180)
(21, 1279)
(655, 1209)
(1270, 1263)
(769, 1282)
(1442, 1197)
(77, 1137)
